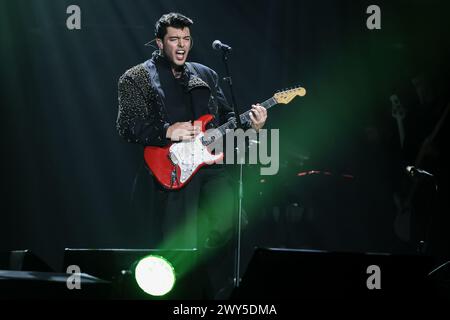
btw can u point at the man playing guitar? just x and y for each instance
(158, 101)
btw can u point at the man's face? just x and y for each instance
(176, 45)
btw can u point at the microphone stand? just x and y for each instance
(237, 257)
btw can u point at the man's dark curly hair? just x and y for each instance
(172, 19)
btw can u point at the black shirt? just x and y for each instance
(177, 102)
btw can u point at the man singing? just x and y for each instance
(158, 101)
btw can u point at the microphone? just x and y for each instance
(217, 45)
(412, 171)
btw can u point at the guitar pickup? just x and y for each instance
(173, 158)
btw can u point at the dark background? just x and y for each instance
(68, 178)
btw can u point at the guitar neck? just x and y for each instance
(230, 125)
(246, 115)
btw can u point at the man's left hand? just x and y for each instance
(258, 115)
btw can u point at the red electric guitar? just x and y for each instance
(175, 164)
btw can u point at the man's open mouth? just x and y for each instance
(180, 54)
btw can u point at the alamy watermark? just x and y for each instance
(257, 151)
(73, 22)
(240, 146)
(374, 20)
(374, 280)
(74, 280)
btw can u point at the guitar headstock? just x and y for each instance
(286, 96)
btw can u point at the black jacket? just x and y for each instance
(142, 117)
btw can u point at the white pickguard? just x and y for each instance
(190, 154)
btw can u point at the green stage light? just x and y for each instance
(155, 275)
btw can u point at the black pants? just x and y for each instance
(204, 206)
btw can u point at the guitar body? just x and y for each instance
(174, 165)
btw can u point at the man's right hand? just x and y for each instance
(182, 131)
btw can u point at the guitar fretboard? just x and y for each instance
(217, 133)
